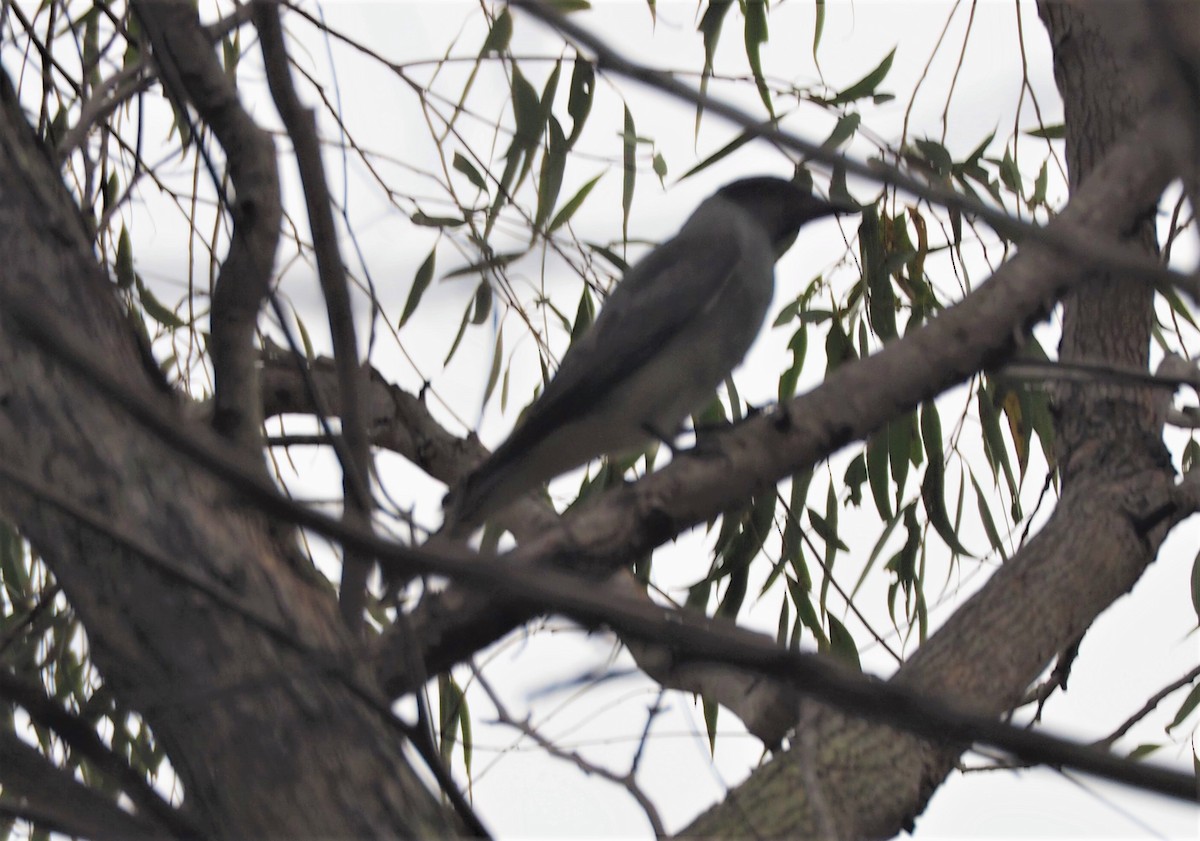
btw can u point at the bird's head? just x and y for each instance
(781, 206)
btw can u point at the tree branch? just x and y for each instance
(52, 799)
(191, 73)
(85, 744)
(533, 590)
(857, 398)
(301, 126)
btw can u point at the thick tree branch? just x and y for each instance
(856, 399)
(191, 74)
(692, 635)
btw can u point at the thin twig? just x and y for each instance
(626, 781)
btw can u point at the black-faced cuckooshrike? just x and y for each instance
(679, 321)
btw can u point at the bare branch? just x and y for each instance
(301, 126)
(626, 781)
(191, 74)
(1147, 708)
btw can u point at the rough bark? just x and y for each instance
(267, 733)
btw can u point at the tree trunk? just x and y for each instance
(244, 686)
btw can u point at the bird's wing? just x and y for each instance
(658, 298)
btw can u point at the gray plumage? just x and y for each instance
(678, 323)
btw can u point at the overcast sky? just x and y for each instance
(1142, 643)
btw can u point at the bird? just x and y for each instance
(680, 320)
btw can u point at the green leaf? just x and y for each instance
(426, 221)
(91, 45)
(549, 91)
(838, 348)
(585, 313)
(710, 27)
(818, 27)
(1191, 457)
(888, 528)
(732, 146)
(125, 273)
(755, 15)
(629, 158)
(420, 284)
(993, 440)
(826, 531)
(497, 361)
(489, 263)
(155, 309)
(989, 523)
(111, 192)
(1196, 585)
(134, 38)
(933, 488)
(711, 708)
(867, 84)
(937, 156)
(798, 346)
(877, 460)
(527, 112)
(659, 164)
(881, 299)
(1009, 174)
(579, 101)
(462, 329)
(856, 474)
(611, 256)
(554, 162)
(482, 304)
(568, 210)
(452, 711)
(1178, 307)
(845, 128)
(1039, 187)
(807, 614)
(1018, 427)
(231, 53)
(1052, 132)
(499, 36)
(793, 537)
(1143, 750)
(564, 7)
(903, 448)
(841, 644)
(904, 562)
(305, 339)
(468, 169)
(1185, 709)
(831, 547)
